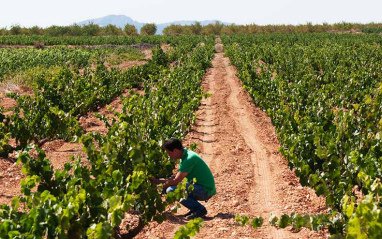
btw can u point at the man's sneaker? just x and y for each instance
(188, 214)
(198, 213)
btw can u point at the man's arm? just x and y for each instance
(172, 182)
(157, 180)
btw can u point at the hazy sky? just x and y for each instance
(45, 13)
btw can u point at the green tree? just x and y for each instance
(112, 30)
(213, 29)
(196, 28)
(75, 30)
(231, 29)
(91, 29)
(173, 30)
(149, 29)
(3, 31)
(130, 30)
(15, 30)
(36, 30)
(56, 31)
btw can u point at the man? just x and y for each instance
(191, 166)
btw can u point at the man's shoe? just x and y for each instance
(198, 213)
(188, 214)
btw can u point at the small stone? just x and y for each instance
(223, 229)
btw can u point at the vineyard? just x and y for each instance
(322, 93)
(90, 200)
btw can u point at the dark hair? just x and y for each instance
(172, 144)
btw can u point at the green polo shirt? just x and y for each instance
(195, 166)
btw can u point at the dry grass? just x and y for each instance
(13, 85)
(26, 79)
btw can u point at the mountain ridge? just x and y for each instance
(121, 20)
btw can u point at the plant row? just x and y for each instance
(95, 40)
(91, 201)
(15, 60)
(324, 96)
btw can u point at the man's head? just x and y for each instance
(174, 148)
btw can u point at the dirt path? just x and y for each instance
(238, 142)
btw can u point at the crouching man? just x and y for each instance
(191, 166)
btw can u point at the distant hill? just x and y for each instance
(121, 21)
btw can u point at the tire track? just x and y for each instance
(264, 190)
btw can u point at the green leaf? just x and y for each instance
(242, 220)
(13, 234)
(128, 202)
(117, 176)
(15, 203)
(100, 231)
(114, 202)
(285, 221)
(257, 222)
(273, 220)
(190, 229)
(117, 217)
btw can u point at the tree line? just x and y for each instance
(77, 30)
(219, 28)
(216, 28)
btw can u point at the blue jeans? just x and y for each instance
(191, 202)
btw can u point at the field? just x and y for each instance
(288, 123)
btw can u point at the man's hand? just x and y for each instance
(156, 181)
(169, 182)
(173, 182)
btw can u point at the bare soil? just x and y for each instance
(7, 102)
(127, 64)
(238, 142)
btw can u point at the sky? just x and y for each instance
(45, 13)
